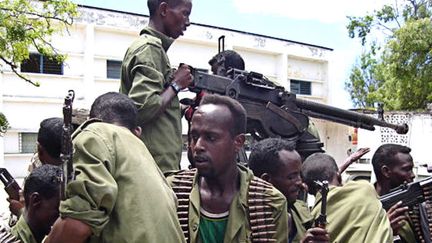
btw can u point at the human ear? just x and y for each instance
(163, 7)
(385, 171)
(266, 177)
(239, 141)
(35, 200)
(137, 131)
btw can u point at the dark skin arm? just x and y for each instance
(352, 158)
(16, 207)
(183, 78)
(396, 215)
(69, 230)
(316, 235)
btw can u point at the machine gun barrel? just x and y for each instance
(346, 117)
(250, 86)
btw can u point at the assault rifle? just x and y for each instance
(12, 189)
(321, 221)
(274, 112)
(409, 193)
(66, 144)
(10, 185)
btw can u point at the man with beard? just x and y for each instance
(221, 201)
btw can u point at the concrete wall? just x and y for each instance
(418, 138)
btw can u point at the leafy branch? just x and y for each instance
(27, 25)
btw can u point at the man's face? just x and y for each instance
(177, 18)
(287, 179)
(402, 170)
(212, 145)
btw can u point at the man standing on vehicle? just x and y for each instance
(147, 78)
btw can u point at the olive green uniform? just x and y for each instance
(354, 214)
(145, 74)
(238, 227)
(22, 231)
(406, 233)
(119, 191)
(302, 219)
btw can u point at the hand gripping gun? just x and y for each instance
(409, 193)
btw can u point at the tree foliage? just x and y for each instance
(398, 70)
(364, 82)
(4, 124)
(26, 25)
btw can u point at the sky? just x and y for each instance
(317, 22)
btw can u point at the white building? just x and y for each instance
(95, 46)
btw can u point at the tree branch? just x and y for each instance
(63, 20)
(14, 67)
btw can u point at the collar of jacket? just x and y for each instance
(237, 210)
(166, 41)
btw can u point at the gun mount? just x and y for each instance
(274, 112)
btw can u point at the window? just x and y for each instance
(301, 87)
(113, 69)
(27, 142)
(40, 64)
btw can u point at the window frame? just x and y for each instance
(42, 64)
(116, 62)
(304, 87)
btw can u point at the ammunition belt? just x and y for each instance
(260, 211)
(6, 236)
(421, 222)
(182, 187)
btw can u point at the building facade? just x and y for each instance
(95, 46)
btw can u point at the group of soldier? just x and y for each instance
(128, 186)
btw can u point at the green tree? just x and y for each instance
(399, 66)
(26, 24)
(4, 124)
(363, 81)
(407, 67)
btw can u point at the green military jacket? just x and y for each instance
(22, 231)
(355, 214)
(238, 227)
(119, 191)
(302, 219)
(145, 74)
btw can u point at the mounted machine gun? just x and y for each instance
(274, 112)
